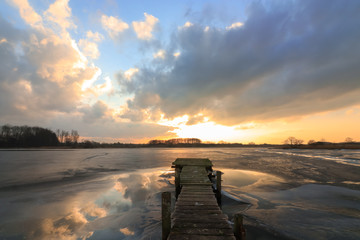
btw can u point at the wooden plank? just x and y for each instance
(201, 212)
(198, 201)
(205, 231)
(180, 224)
(180, 236)
(199, 220)
(195, 208)
(194, 193)
(207, 215)
(196, 204)
(193, 162)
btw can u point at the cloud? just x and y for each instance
(94, 36)
(95, 112)
(160, 54)
(59, 12)
(289, 59)
(186, 25)
(113, 25)
(235, 25)
(89, 49)
(43, 70)
(128, 74)
(47, 78)
(27, 12)
(144, 29)
(108, 128)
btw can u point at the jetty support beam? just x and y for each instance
(177, 181)
(166, 214)
(218, 187)
(239, 230)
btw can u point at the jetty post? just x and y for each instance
(166, 214)
(177, 181)
(218, 187)
(239, 230)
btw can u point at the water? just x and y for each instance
(115, 193)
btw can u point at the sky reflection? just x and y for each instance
(123, 206)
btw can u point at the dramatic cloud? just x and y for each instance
(114, 26)
(101, 125)
(144, 29)
(287, 59)
(43, 71)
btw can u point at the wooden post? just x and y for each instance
(218, 187)
(177, 182)
(239, 230)
(166, 214)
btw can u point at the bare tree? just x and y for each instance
(74, 136)
(312, 141)
(349, 140)
(67, 137)
(292, 141)
(62, 136)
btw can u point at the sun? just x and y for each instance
(207, 130)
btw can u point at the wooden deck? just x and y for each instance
(197, 214)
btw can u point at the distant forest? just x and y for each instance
(25, 136)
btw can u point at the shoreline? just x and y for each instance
(330, 146)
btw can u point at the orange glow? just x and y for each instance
(332, 126)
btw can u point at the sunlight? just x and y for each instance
(208, 131)
(175, 122)
(88, 83)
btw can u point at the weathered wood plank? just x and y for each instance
(195, 208)
(207, 215)
(180, 224)
(199, 220)
(196, 204)
(181, 236)
(204, 231)
(193, 162)
(202, 212)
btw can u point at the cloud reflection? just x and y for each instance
(125, 206)
(139, 187)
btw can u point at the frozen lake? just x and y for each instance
(115, 193)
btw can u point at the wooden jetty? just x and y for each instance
(197, 213)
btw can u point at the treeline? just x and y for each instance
(25, 136)
(67, 137)
(175, 141)
(292, 142)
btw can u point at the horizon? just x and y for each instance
(238, 72)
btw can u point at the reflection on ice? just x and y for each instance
(317, 211)
(126, 231)
(121, 206)
(247, 181)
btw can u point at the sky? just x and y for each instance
(233, 71)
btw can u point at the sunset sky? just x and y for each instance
(132, 71)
